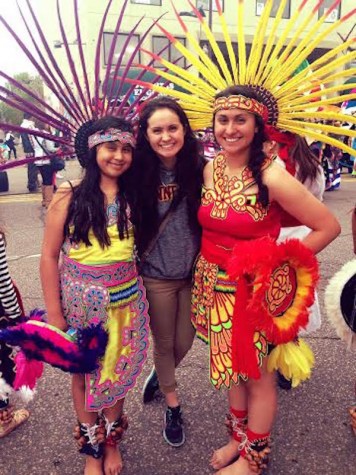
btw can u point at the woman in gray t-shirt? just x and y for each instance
(168, 169)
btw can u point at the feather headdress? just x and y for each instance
(272, 70)
(79, 98)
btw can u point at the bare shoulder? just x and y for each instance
(63, 196)
(67, 186)
(273, 173)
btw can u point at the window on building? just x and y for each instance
(334, 15)
(204, 4)
(148, 2)
(170, 53)
(119, 46)
(260, 5)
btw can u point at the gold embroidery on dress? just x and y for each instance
(230, 193)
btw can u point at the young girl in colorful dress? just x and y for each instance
(97, 282)
(243, 194)
(169, 177)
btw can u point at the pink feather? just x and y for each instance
(27, 371)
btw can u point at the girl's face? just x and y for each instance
(165, 133)
(234, 130)
(113, 158)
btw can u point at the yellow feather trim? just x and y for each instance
(294, 360)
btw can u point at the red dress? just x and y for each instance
(229, 214)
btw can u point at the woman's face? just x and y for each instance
(113, 158)
(165, 133)
(234, 130)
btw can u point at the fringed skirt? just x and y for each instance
(114, 296)
(213, 300)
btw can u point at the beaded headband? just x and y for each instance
(111, 135)
(240, 102)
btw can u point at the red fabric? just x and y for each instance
(257, 441)
(242, 347)
(239, 413)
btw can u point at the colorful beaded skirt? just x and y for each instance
(213, 300)
(114, 296)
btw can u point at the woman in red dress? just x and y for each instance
(243, 196)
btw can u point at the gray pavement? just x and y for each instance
(311, 435)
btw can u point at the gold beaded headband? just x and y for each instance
(111, 135)
(240, 102)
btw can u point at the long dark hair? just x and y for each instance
(188, 170)
(257, 155)
(308, 163)
(87, 209)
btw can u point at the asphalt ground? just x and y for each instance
(311, 435)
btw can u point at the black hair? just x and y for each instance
(87, 209)
(189, 173)
(257, 155)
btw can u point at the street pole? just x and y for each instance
(210, 16)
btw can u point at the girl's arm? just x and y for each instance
(51, 247)
(8, 297)
(294, 198)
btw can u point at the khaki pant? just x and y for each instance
(172, 331)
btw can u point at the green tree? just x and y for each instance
(11, 114)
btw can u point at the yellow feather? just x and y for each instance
(276, 60)
(218, 54)
(202, 69)
(294, 360)
(264, 64)
(324, 127)
(304, 48)
(241, 42)
(301, 99)
(257, 42)
(314, 71)
(304, 131)
(321, 115)
(230, 50)
(323, 102)
(187, 83)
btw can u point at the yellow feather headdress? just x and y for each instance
(270, 70)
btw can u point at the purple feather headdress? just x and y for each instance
(78, 101)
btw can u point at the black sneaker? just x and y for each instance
(173, 433)
(150, 387)
(283, 382)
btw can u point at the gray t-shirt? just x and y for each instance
(174, 253)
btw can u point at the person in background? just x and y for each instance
(32, 170)
(293, 153)
(44, 148)
(10, 142)
(168, 175)
(4, 151)
(10, 312)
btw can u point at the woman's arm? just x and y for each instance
(51, 247)
(294, 198)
